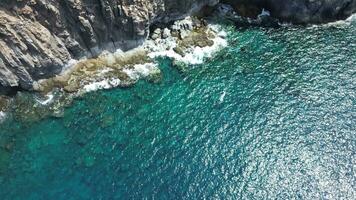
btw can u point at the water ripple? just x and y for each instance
(270, 117)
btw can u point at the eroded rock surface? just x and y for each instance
(297, 11)
(38, 37)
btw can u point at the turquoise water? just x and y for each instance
(271, 116)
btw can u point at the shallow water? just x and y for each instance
(271, 116)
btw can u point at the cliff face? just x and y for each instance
(298, 11)
(37, 37)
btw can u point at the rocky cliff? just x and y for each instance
(38, 37)
(298, 11)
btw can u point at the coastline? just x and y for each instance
(205, 107)
(187, 42)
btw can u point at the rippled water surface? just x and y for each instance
(271, 116)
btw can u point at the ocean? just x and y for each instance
(271, 116)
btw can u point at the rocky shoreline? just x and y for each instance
(39, 37)
(187, 41)
(116, 44)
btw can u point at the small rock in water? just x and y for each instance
(179, 51)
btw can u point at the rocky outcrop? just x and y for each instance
(38, 37)
(297, 11)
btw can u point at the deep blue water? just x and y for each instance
(271, 116)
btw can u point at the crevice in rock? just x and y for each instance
(10, 91)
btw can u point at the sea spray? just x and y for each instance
(347, 22)
(135, 73)
(2, 116)
(120, 68)
(192, 54)
(48, 99)
(284, 130)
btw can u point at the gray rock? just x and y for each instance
(299, 11)
(179, 51)
(311, 11)
(38, 37)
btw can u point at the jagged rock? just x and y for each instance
(297, 11)
(179, 51)
(38, 37)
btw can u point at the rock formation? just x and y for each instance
(38, 37)
(297, 11)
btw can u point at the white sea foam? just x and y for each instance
(264, 13)
(347, 22)
(2, 116)
(158, 48)
(131, 73)
(48, 100)
(135, 73)
(104, 84)
(141, 70)
(352, 18)
(222, 97)
(105, 71)
(194, 55)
